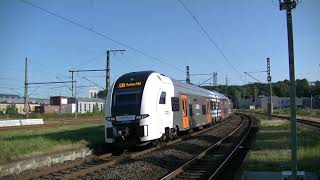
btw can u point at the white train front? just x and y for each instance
(145, 106)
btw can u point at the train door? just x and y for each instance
(218, 105)
(191, 117)
(185, 119)
(163, 111)
(208, 111)
(222, 110)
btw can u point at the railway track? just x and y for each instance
(80, 168)
(51, 125)
(299, 120)
(210, 163)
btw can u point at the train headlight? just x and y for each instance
(142, 116)
(110, 118)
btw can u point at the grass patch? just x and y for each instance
(271, 151)
(21, 144)
(300, 112)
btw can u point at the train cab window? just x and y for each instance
(162, 99)
(204, 110)
(126, 101)
(175, 104)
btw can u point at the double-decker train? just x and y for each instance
(146, 106)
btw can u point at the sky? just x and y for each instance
(157, 35)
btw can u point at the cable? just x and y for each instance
(100, 34)
(209, 37)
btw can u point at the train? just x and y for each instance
(146, 106)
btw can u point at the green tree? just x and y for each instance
(95, 109)
(315, 89)
(281, 88)
(12, 109)
(102, 94)
(303, 88)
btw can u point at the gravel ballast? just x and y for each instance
(160, 162)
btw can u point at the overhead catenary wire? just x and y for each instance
(101, 35)
(210, 39)
(92, 82)
(205, 81)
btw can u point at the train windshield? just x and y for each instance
(126, 102)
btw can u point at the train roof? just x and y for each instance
(192, 89)
(182, 87)
(221, 96)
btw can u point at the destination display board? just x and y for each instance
(122, 85)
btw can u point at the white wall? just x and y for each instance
(84, 107)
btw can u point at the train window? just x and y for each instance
(175, 104)
(183, 108)
(162, 99)
(190, 110)
(211, 105)
(185, 102)
(204, 110)
(124, 99)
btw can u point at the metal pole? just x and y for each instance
(108, 68)
(26, 108)
(187, 75)
(226, 85)
(311, 102)
(270, 105)
(288, 5)
(292, 96)
(107, 72)
(72, 82)
(215, 80)
(75, 98)
(213, 76)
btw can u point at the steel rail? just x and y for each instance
(110, 160)
(234, 150)
(179, 170)
(103, 166)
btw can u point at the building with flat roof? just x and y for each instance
(261, 102)
(9, 96)
(85, 105)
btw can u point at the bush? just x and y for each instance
(12, 110)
